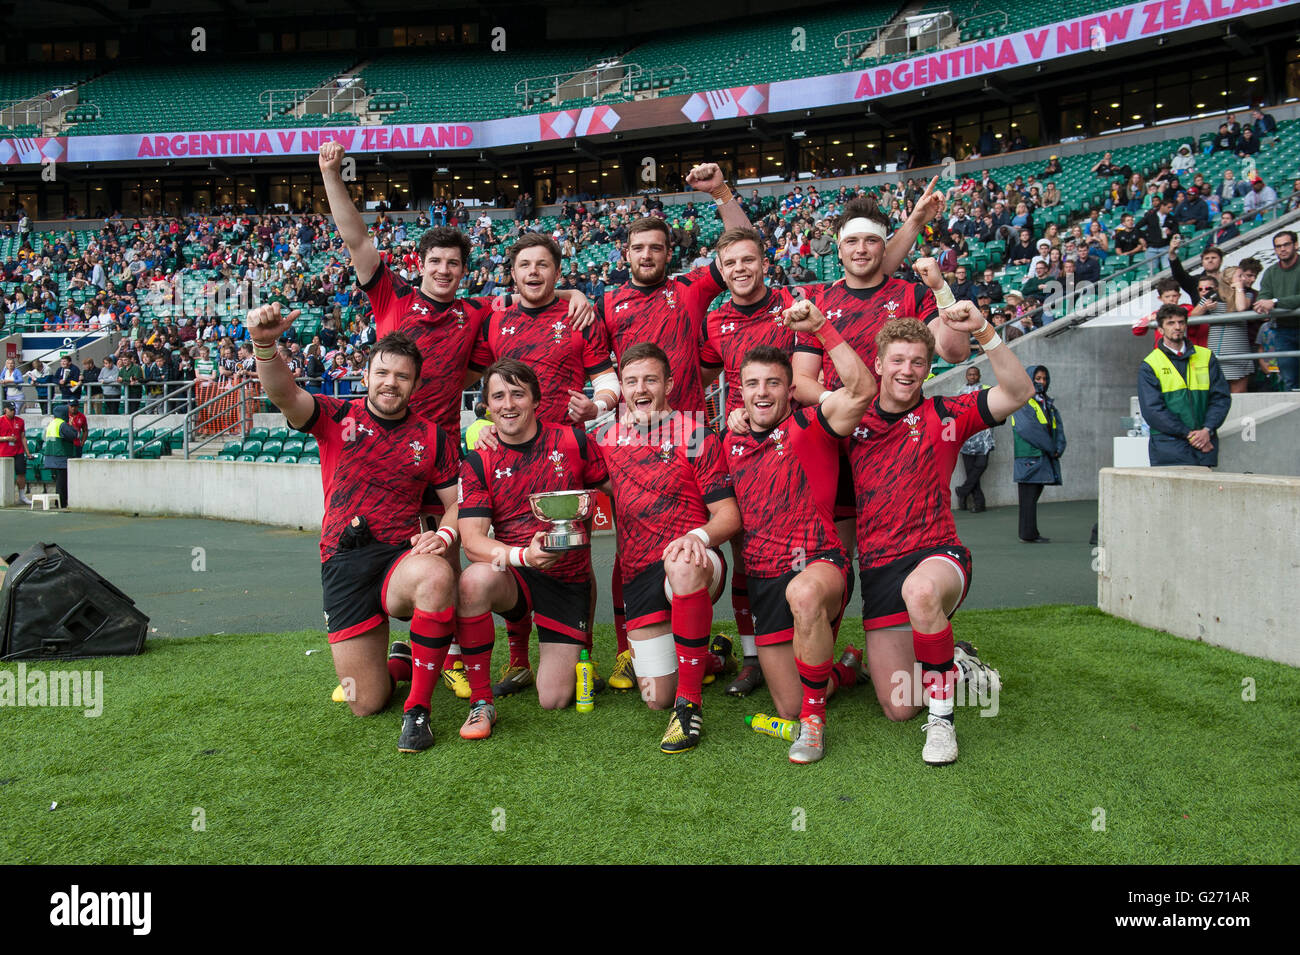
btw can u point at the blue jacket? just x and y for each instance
(1038, 446)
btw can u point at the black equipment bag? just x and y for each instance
(54, 607)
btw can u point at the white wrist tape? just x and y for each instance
(449, 535)
(702, 534)
(989, 346)
(518, 557)
(600, 405)
(654, 657)
(943, 296)
(863, 225)
(821, 399)
(606, 381)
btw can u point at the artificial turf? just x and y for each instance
(1096, 714)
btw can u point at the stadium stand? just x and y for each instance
(219, 95)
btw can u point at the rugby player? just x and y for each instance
(670, 312)
(783, 471)
(377, 458)
(512, 575)
(533, 329)
(859, 304)
(915, 570)
(752, 317)
(443, 326)
(675, 504)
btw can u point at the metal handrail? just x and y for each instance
(1272, 211)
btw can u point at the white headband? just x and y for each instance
(861, 224)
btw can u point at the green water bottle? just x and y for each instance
(787, 730)
(586, 696)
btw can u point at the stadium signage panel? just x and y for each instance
(1095, 32)
(1075, 37)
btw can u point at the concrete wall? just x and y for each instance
(1205, 555)
(286, 495)
(1093, 375)
(8, 492)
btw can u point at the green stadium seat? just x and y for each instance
(279, 434)
(258, 434)
(233, 447)
(293, 446)
(117, 447)
(251, 447)
(246, 457)
(265, 459)
(272, 447)
(309, 459)
(287, 459)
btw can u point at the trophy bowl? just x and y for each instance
(565, 511)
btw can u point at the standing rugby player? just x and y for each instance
(377, 457)
(675, 505)
(783, 471)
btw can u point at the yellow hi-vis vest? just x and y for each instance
(1187, 399)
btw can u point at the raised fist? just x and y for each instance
(705, 177)
(331, 157)
(927, 269)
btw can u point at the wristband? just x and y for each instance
(829, 336)
(722, 195)
(601, 407)
(264, 352)
(703, 535)
(943, 296)
(821, 399)
(449, 535)
(518, 557)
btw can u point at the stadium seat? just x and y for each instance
(309, 459)
(117, 447)
(251, 447)
(258, 434)
(293, 446)
(233, 448)
(287, 459)
(265, 459)
(273, 447)
(279, 434)
(246, 457)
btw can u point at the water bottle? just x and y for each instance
(787, 730)
(586, 683)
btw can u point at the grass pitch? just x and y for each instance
(227, 749)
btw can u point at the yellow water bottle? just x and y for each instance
(787, 730)
(586, 683)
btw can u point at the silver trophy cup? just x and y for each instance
(565, 510)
